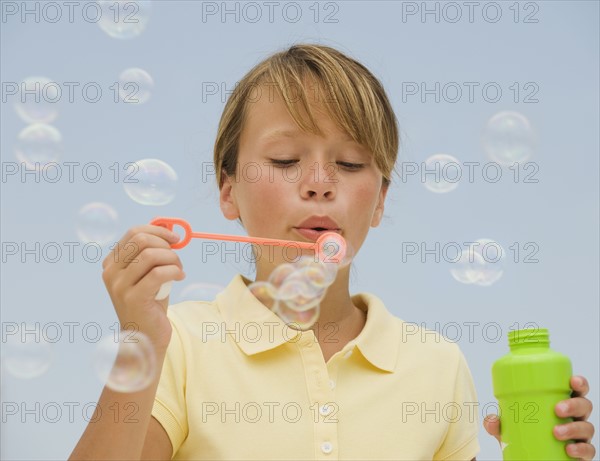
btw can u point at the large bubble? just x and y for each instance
(38, 144)
(124, 19)
(38, 100)
(97, 222)
(127, 364)
(153, 182)
(508, 137)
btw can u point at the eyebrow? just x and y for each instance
(276, 134)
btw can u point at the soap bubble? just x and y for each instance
(27, 354)
(467, 267)
(126, 365)
(318, 273)
(322, 274)
(481, 263)
(265, 293)
(124, 19)
(329, 253)
(493, 255)
(135, 85)
(97, 222)
(38, 100)
(294, 291)
(296, 318)
(297, 292)
(38, 144)
(153, 182)
(441, 173)
(200, 292)
(508, 137)
(280, 273)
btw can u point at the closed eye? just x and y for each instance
(347, 165)
(352, 166)
(283, 162)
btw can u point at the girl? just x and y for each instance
(307, 143)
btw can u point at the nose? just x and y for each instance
(319, 182)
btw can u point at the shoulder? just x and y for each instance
(401, 344)
(428, 345)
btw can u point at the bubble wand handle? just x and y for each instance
(169, 223)
(320, 246)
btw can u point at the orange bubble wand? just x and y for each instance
(322, 246)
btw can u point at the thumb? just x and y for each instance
(491, 423)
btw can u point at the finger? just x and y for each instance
(158, 276)
(129, 253)
(580, 386)
(128, 245)
(577, 430)
(491, 423)
(147, 260)
(578, 407)
(585, 451)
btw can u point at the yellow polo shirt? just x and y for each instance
(237, 383)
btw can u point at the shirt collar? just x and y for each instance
(255, 328)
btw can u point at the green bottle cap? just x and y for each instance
(529, 337)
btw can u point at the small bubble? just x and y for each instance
(38, 144)
(27, 354)
(441, 173)
(321, 274)
(265, 293)
(280, 273)
(124, 19)
(298, 319)
(334, 249)
(135, 86)
(480, 263)
(493, 256)
(508, 137)
(38, 100)
(153, 182)
(126, 365)
(298, 292)
(466, 268)
(97, 222)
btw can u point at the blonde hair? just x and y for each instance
(352, 97)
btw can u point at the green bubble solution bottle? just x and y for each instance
(528, 382)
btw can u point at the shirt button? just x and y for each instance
(326, 447)
(331, 383)
(325, 410)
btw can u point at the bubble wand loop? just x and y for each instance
(321, 246)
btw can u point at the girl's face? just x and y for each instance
(285, 175)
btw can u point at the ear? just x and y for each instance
(378, 213)
(227, 199)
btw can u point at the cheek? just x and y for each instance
(261, 200)
(366, 195)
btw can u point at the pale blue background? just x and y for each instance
(559, 213)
